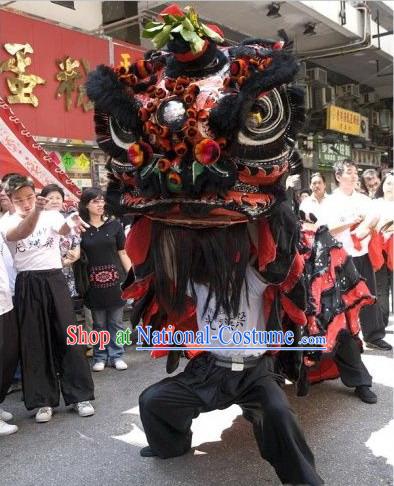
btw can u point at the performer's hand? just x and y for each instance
(75, 222)
(358, 219)
(41, 202)
(72, 254)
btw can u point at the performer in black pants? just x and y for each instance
(44, 306)
(370, 316)
(218, 379)
(168, 408)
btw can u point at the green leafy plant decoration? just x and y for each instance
(188, 26)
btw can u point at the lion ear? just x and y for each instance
(109, 95)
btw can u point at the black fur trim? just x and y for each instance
(109, 96)
(223, 119)
(104, 138)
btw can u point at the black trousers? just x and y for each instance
(9, 346)
(167, 409)
(348, 359)
(44, 310)
(370, 316)
(383, 287)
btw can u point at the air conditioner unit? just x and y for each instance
(307, 93)
(317, 76)
(364, 127)
(302, 71)
(385, 120)
(348, 91)
(318, 98)
(375, 119)
(330, 95)
(369, 98)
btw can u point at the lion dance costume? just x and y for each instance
(199, 136)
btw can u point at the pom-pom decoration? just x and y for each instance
(207, 151)
(174, 182)
(163, 165)
(139, 153)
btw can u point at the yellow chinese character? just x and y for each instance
(23, 84)
(68, 77)
(125, 60)
(82, 98)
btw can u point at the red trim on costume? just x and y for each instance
(268, 300)
(190, 56)
(138, 241)
(295, 313)
(359, 292)
(380, 251)
(137, 289)
(336, 325)
(296, 269)
(326, 370)
(266, 245)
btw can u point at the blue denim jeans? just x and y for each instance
(108, 320)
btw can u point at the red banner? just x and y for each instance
(22, 154)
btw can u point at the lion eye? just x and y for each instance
(257, 116)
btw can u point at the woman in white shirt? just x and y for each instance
(43, 305)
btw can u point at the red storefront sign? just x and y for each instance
(52, 44)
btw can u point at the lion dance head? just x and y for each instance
(198, 133)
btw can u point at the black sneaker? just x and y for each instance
(147, 452)
(379, 344)
(365, 394)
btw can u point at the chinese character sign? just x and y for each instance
(68, 78)
(344, 121)
(21, 86)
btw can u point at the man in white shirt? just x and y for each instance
(350, 218)
(8, 343)
(312, 204)
(43, 305)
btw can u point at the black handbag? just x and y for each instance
(80, 269)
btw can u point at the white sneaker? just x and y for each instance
(120, 365)
(7, 429)
(44, 414)
(6, 416)
(99, 366)
(84, 409)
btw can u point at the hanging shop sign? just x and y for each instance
(369, 158)
(329, 153)
(343, 121)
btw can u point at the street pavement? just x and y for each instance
(352, 441)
